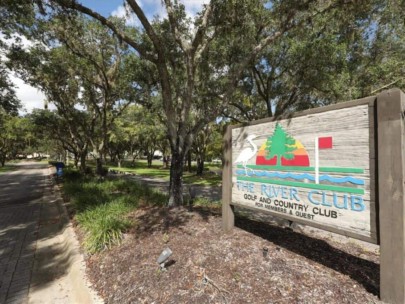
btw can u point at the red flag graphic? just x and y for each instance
(325, 142)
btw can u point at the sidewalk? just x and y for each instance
(39, 256)
(19, 225)
(18, 235)
(59, 268)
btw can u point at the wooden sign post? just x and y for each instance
(340, 168)
(391, 179)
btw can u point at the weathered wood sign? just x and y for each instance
(314, 169)
(339, 168)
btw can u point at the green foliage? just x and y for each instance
(16, 136)
(205, 202)
(9, 102)
(7, 168)
(84, 71)
(104, 224)
(241, 59)
(102, 206)
(280, 144)
(145, 136)
(348, 52)
(157, 171)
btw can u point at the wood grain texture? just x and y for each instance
(373, 173)
(352, 130)
(391, 178)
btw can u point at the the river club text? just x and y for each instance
(289, 200)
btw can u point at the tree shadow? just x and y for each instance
(366, 273)
(153, 219)
(27, 227)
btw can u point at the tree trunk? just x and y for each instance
(200, 165)
(113, 158)
(176, 179)
(99, 167)
(76, 161)
(83, 156)
(189, 160)
(149, 158)
(119, 161)
(268, 105)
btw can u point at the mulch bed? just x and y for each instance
(256, 263)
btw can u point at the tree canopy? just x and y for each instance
(234, 60)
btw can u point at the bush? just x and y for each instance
(105, 224)
(71, 174)
(102, 207)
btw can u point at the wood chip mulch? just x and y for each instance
(256, 263)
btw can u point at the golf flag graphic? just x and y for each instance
(321, 143)
(325, 142)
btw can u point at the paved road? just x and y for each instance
(20, 202)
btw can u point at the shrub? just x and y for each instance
(104, 225)
(102, 207)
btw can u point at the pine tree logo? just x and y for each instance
(280, 144)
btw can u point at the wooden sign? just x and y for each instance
(339, 168)
(314, 169)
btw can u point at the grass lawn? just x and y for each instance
(7, 168)
(157, 171)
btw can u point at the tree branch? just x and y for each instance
(261, 87)
(147, 26)
(198, 39)
(73, 4)
(174, 27)
(204, 46)
(287, 25)
(386, 86)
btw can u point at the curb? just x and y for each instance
(59, 267)
(83, 291)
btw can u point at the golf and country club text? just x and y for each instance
(289, 200)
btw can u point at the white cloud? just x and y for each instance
(30, 97)
(18, 40)
(122, 12)
(153, 8)
(194, 6)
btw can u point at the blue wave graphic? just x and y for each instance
(338, 180)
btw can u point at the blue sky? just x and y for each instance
(107, 8)
(32, 98)
(103, 7)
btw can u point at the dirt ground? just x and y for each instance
(256, 263)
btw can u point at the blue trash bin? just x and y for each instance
(59, 168)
